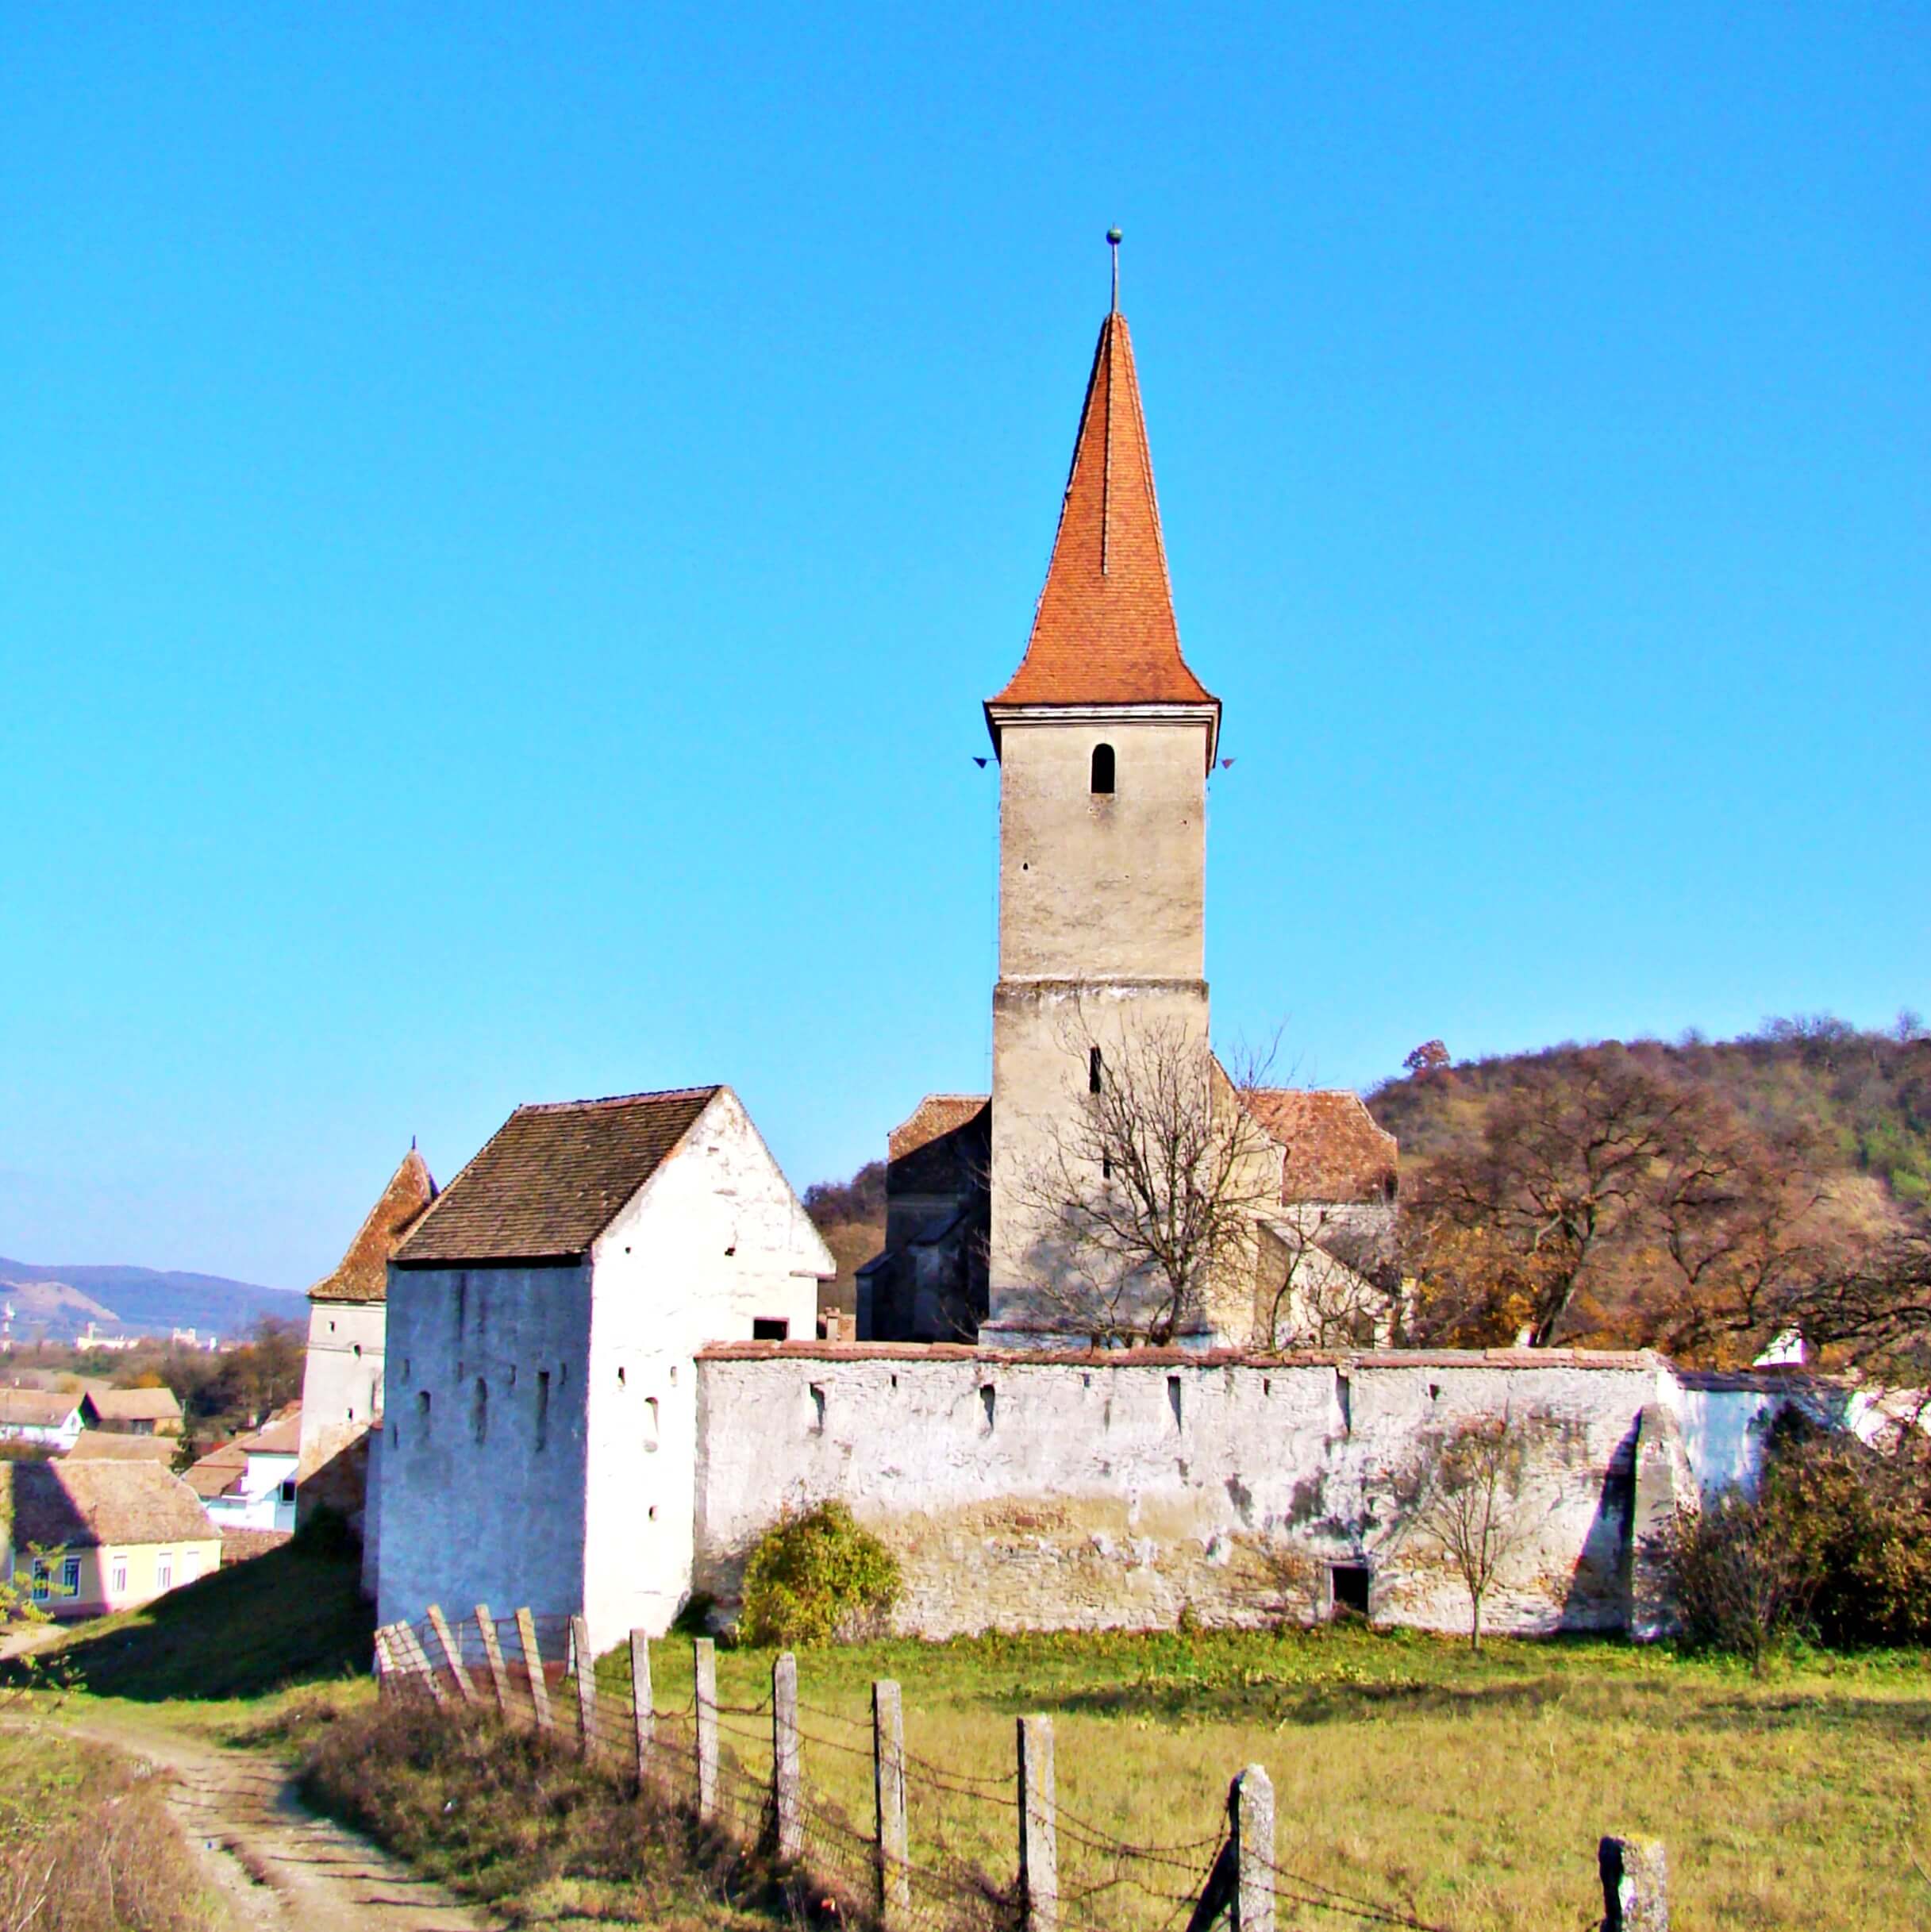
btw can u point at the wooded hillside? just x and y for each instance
(1701, 1197)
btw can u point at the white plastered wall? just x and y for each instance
(1028, 1492)
(494, 1516)
(715, 1241)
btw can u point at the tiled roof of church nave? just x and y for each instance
(1331, 1148)
(1104, 631)
(553, 1178)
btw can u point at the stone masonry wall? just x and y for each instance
(1022, 1491)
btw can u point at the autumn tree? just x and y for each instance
(1145, 1183)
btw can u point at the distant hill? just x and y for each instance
(59, 1301)
(1861, 1101)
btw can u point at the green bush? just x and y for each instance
(817, 1577)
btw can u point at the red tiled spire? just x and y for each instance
(1104, 632)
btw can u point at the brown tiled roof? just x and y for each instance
(362, 1273)
(217, 1472)
(1331, 1148)
(281, 1435)
(552, 1179)
(70, 1504)
(135, 1405)
(936, 1115)
(35, 1408)
(244, 1546)
(101, 1446)
(1104, 632)
(936, 1150)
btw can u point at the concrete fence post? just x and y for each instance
(643, 1710)
(893, 1848)
(1635, 1885)
(704, 1673)
(787, 1800)
(452, 1657)
(493, 1651)
(1250, 1816)
(1039, 1848)
(385, 1661)
(583, 1661)
(532, 1668)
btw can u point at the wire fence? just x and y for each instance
(889, 1837)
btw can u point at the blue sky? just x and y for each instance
(507, 516)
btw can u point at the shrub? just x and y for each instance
(816, 1577)
(1835, 1546)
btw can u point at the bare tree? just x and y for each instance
(1147, 1182)
(1466, 1497)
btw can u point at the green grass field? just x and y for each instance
(1469, 1791)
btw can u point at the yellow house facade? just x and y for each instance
(86, 1538)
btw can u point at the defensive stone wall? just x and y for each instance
(1082, 1491)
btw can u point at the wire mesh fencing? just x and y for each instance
(876, 1833)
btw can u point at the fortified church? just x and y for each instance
(1105, 740)
(586, 1376)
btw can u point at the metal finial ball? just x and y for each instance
(1112, 235)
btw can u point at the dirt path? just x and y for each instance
(280, 1867)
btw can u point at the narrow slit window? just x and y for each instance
(543, 1406)
(479, 1411)
(650, 1425)
(1095, 1066)
(1102, 770)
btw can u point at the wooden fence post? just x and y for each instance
(585, 1661)
(1250, 1811)
(1635, 1885)
(888, 1793)
(643, 1711)
(532, 1668)
(499, 1671)
(1038, 1854)
(452, 1657)
(787, 1804)
(704, 1673)
(416, 1659)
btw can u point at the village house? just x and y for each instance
(131, 1411)
(46, 1416)
(544, 1314)
(249, 1482)
(342, 1375)
(103, 1445)
(84, 1538)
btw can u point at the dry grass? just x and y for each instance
(86, 1844)
(1469, 1791)
(517, 1822)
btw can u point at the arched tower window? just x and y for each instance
(1102, 769)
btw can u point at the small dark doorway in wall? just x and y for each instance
(769, 1328)
(1348, 1584)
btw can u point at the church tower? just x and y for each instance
(1105, 739)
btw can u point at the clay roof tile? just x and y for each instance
(1104, 631)
(551, 1179)
(362, 1275)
